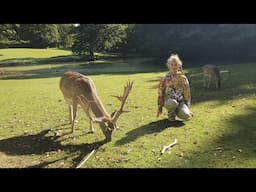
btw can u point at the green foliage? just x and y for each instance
(7, 31)
(197, 42)
(40, 35)
(66, 32)
(205, 42)
(8, 34)
(127, 45)
(92, 38)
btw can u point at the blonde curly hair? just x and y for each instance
(176, 58)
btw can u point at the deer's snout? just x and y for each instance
(108, 135)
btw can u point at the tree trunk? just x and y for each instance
(92, 58)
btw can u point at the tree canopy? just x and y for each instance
(191, 41)
(98, 37)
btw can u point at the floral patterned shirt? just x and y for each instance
(175, 87)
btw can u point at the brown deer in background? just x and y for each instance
(80, 89)
(211, 73)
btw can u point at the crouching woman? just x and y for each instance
(174, 91)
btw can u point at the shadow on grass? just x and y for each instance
(87, 68)
(42, 143)
(31, 60)
(54, 59)
(66, 58)
(82, 149)
(242, 133)
(153, 127)
(233, 148)
(59, 72)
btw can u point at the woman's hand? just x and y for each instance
(159, 111)
(188, 104)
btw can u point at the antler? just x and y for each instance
(123, 98)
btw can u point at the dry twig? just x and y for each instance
(85, 159)
(168, 146)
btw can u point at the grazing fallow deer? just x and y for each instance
(211, 73)
(80, 89)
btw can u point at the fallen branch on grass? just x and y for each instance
(168, 146)
(85, 159)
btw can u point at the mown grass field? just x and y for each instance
(221, 134)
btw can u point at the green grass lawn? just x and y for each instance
(220, 135)
(18, 53)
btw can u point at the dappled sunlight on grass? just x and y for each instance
(32, 53)
(56, 66)
(221, 133)
(225, 137)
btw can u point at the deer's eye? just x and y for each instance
(111, 125)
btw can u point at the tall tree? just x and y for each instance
(97, 37)
(8, 33)
(66, 33)
(128, 43)
(196, 41)
(40, 35)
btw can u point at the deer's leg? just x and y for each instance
(74, 110)
(86, 107)
(70, 107)
(90, 120)
(217, 82)
(91, 127)
(209, 82)
(204, 81)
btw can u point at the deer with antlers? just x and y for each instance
(80, 89)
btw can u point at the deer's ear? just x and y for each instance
(99, 119)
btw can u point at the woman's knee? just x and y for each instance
(171, 104)
(184, 115)
(184, 112)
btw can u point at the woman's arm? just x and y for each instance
(160, 98)
(186, 92)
